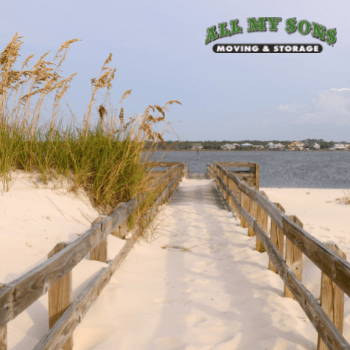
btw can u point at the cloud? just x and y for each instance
(293, 107)
(331, 106)
(330, 110)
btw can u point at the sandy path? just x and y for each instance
(216, 295)
(199, 284)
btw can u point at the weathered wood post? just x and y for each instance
(219, 175)
(99, 253)
(262, 219)
(222, 178)
(120, 231)
(231, 203)
(238, 195)
(244, 205)
(211, 172)
(257, 176)
(3, 331)
(226, 180)
(294, 259)
(332, 299)
(277, 238)
(60, 296)
(222, 175)
(253, 211)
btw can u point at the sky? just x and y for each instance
(159, 52)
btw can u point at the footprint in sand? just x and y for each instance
(193, 320)
(168, 343)
(163, 301)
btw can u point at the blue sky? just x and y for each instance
(160, 54)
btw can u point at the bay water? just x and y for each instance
(298, 169)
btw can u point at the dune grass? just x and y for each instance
(345, 199)
(104, 157)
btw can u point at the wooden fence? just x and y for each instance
(54, 275)
(326, 316)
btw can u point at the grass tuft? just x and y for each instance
(105, 158)
(345, 199)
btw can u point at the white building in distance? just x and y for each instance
(339, 146)
(229, 147)
(279, 146)
(196, 145)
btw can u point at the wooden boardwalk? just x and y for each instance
(204, 192)
(203, 268)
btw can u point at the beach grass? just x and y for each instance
(105, 156)
(345, 199)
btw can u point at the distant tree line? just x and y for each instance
(185, 145)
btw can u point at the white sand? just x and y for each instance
(217, 295)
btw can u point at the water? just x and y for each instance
(278, 169)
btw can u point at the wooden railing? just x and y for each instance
(54, 275)
(327, 317)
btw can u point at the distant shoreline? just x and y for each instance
(245, 150)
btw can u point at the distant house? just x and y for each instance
(347, 146)
(316, 146)
(339, 146)
(270, 145)
(297, 145)
(279, 146)
(246, 145)
(258, 147)
(196, 145)
(229, 147)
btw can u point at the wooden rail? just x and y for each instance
(19, 294)
(335, 267)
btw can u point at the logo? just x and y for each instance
(264, 24)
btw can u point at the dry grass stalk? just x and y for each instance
(345, 199)
(103, 159)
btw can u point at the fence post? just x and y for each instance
(3, 331)
(60, 296)
(244, 205)
(231, 188)
(99, 253)
(257, 176)
(332, 299)
(261, 218)
(253, 210)
(238, 195)
(219, 183)
(277, 238)
(120, 231)
(227, 184)
(294, 259)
